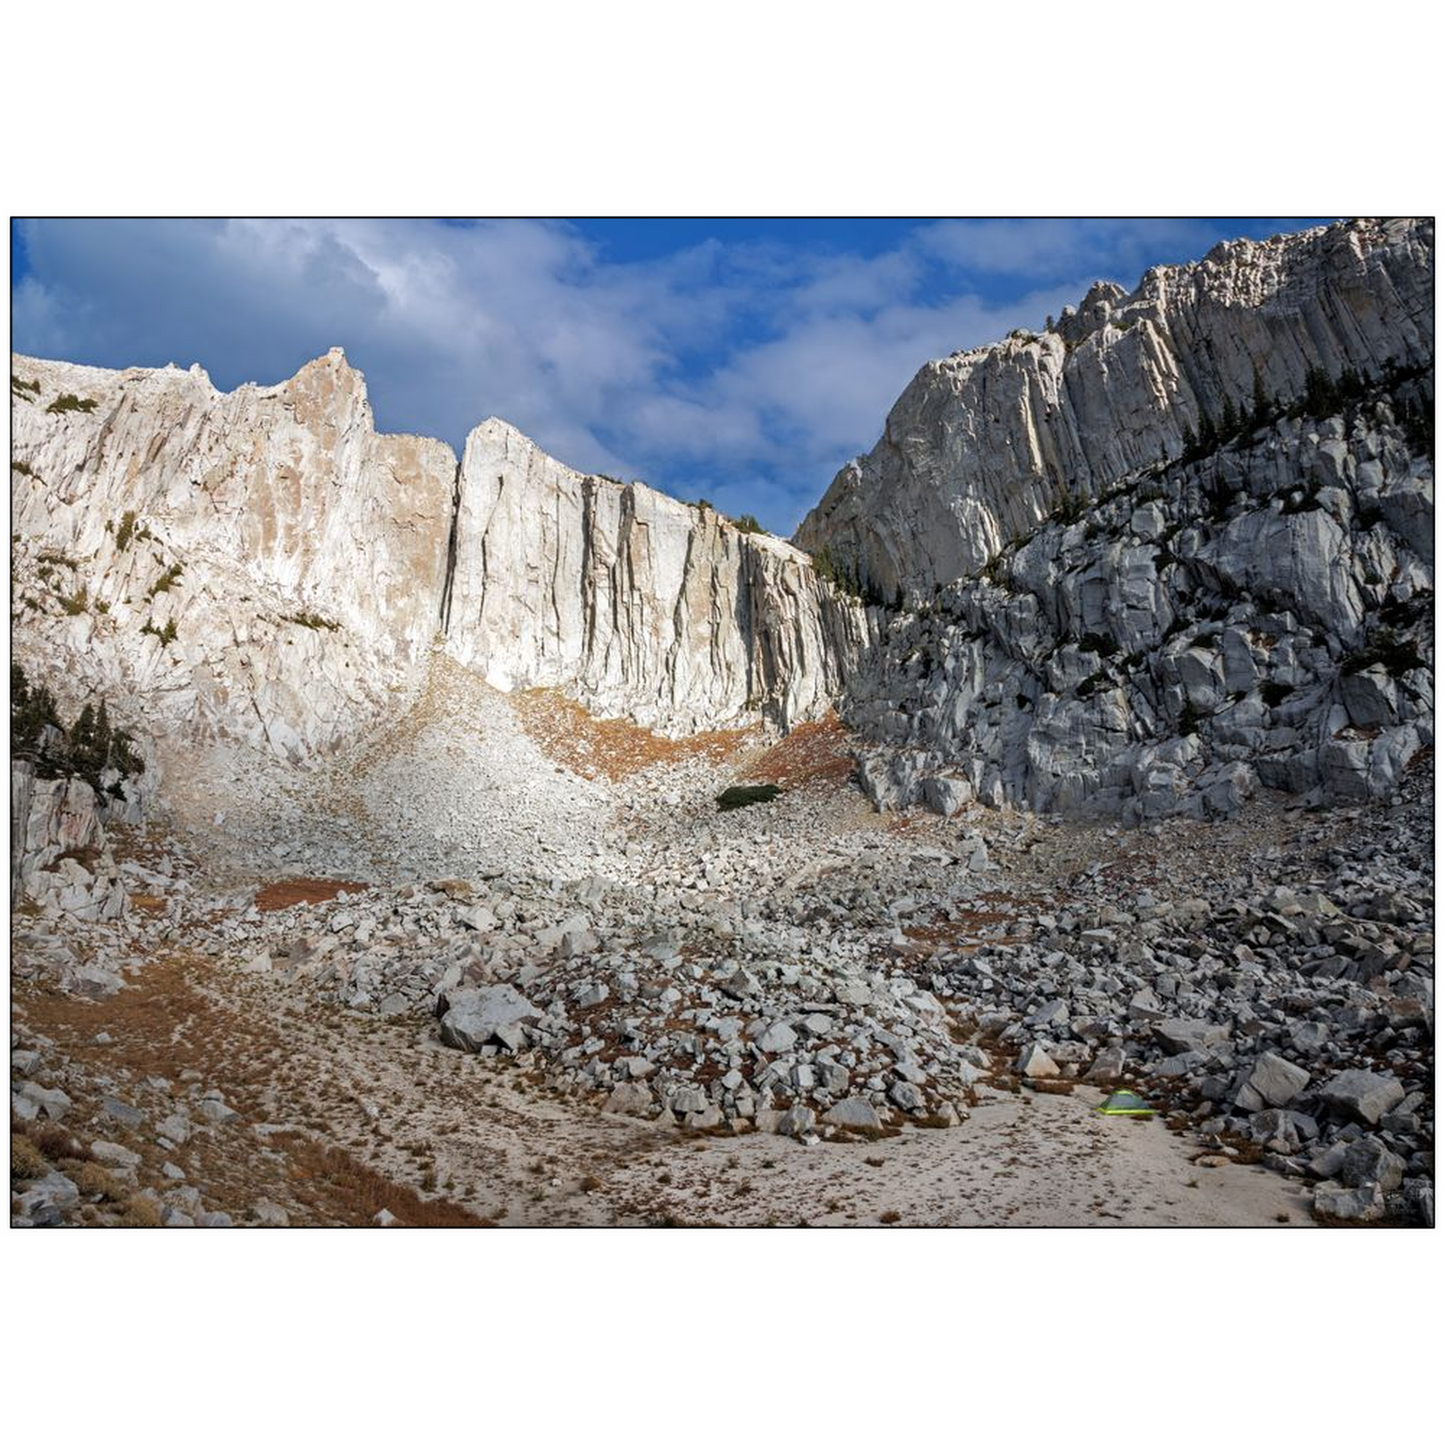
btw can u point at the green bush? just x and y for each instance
(166, 634)
(745, 795)
(167, 579)
(70, 402)
(19, 387)
(749, 524)
(313, 620)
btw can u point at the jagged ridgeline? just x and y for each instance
(1175, 547)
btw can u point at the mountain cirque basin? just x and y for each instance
(423, 908)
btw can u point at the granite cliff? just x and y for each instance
(1179, 546)
(263, 566)
(1174, 548)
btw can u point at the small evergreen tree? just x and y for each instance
(1321, 394)
(1260, 405)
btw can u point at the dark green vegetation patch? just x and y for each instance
(743, 795)
(71, 402)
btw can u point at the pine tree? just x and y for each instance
(32, 710)
(82, 750)
(1260, 407)
(1321, 394)
(102, 739)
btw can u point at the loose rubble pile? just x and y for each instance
(1283, 997)
(756, 977)
(52, 1180)
(807, 968)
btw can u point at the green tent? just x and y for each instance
(1124, 1101)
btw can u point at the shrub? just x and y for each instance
(166, 634)
(745, 795)
(56, 1142)
(26, 1161)
(22, 467)
(1394, 654)
(167, 579)
(75, 604)
(313, 620)
(93, 1178)
(749, 524)
(141, 1213)
(1070, 509)
(125, 531)
(70, 402)
(19, 387)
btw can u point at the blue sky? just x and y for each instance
(740, 360)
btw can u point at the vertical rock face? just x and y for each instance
(983, 446)
(257, 565)
(263, 566)
(59, 856)
(636, 603)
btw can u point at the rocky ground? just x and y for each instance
(508, 964)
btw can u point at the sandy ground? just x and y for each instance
(464, 1139)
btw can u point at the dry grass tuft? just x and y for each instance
(816, 752)
(611, 748)
(54, 1141)
(26, 1161)
(92, 1178)
(358, 1193)
(141, 1213)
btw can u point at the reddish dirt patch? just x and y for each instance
(291, 891)
(962, 933)
(611, 748)
(816, 752)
